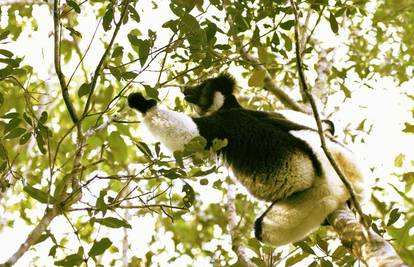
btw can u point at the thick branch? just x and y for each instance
(34, 235)
(235, 235)
(366, 244)
(374, 252)
(305, 90)
(103, 58)
(58, 69)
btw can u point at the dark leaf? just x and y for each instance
(287, 25)
(99, 247)
(108, 17)
(133, 13)
(74, 5)
(43, 118)
(39, 195)
(143, 147)
(84, 89)
(189, 195)
(394, 216)
(144, 48)
(112, 222)
(6, 53)
(333, 23)
(70, 260)
(16, 132)
(13, 123)
(23, 140)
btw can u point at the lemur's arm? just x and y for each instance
(172, 128)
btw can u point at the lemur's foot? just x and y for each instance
(138, 102)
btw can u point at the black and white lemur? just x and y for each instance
(276, 156)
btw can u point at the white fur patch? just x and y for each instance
(349, 163)
(218, 101)
(171, 128)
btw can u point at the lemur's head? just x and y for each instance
(212, 94)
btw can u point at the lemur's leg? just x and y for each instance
(297, 216)
(172, 128)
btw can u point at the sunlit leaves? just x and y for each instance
(287, 25)
(409, 128)
(257, 78)
(118, 147)
(394, 216)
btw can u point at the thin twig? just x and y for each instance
(311, 100)
(103, 58)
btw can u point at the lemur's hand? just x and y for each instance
(138, 102)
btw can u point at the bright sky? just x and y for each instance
(385, 107)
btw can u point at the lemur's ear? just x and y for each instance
(225, 83)
(138, 102)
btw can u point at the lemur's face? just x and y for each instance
(202, 96)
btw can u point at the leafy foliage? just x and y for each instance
(101, 175)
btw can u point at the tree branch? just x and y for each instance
(366, 244)
(58, 69)
(269, 83)
(374, 252)
(34, 235)
(237, 246)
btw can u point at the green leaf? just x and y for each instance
(288, 42)
(16, 132)
(409, 128)
(219, 144)
(5, 71)
(70, 260)
(23, 140)
(189, 24)
(287, 25)
(143, 147)
(204, 181)
(257, 78)
(151, 92)
(197, 144)
(74, 5)
(99, 247)
(13, 123)
(84, 89)
(144, 48)
(295, 259)
(43, 119)
(333, 23)
(4, 34)
(305, 247)
(112, 222)
(11, 115)
(6, 53)
(108, 17)
(118, 52)
(133, 13)
(399, 160)
(118, 147)
(27, 119)
(52, 251)
(3, 152)
(1, 99)
(394, 216)
(189, 197)
(39, 195)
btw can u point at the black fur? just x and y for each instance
(203, 94)
(137, 101)
(258, 141)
